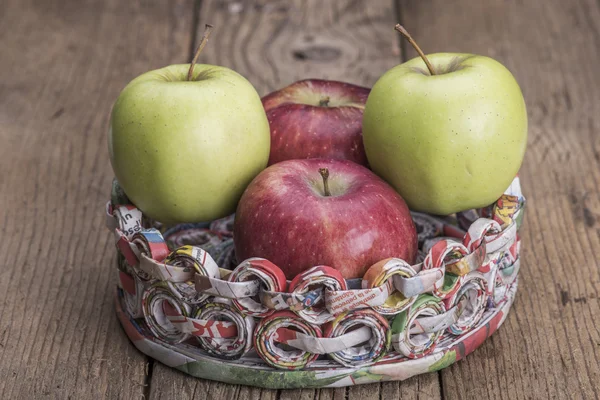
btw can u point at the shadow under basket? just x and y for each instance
(184, 300)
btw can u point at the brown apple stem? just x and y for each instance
(324, 102)
(207, 30)
(414, 44)
(325, 175)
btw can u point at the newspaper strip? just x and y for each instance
(371, 349)
(154, 302)
(227, 289)
(151, 243)
(109, 220)
(445, 251)
(132, 293)
(320, 276)
(380, 274)
(290, 301)
(340, 301)
(421, 283)
(420, 344)
(323, 345)
(198, 262)
(127, 249)
(164, 272)
(128, 218)
(472, 296)
(267, 274)
(267, 336)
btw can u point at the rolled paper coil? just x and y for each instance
(198, 261)
(323, 277)
(273, 335)
(414, 338)
(364, 346)
(267, 275)
(383, 273)
(478, 232)
(149, 242)
(219, 327)
(157, 301)
(226, 345)
(441, 254)
(471, 299)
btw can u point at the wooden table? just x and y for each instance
(63, 63)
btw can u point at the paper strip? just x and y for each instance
(364, 352)
(290, 301)
(320, 276)
(191, 261)
(226, 289)
(442, 253)
(320, 345)
(339, 301)
(379, 274)
(128, 218)
(132, 294)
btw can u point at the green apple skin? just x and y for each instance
(448, 142)
(184, 151)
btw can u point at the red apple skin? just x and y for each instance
(285, 217)
(301, 128)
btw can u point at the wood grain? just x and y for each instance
(62, 65)
(549, 346)
(274, 43)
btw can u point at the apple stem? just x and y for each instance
(325, 175)
(324, 102)
(207, 29)
(414, 44)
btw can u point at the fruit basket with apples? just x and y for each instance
(381, 241)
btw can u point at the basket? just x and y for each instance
(184, 300)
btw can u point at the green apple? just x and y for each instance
(185, 150)
(450, 141)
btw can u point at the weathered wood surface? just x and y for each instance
(63, 63)
(549, 347)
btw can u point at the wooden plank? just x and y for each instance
(549, 346)
(274, 44)
(63, 63)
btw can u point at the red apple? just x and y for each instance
(290, 216)
(314, 118)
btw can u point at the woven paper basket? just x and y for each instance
(185, 301)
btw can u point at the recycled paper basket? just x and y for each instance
(184, 300)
